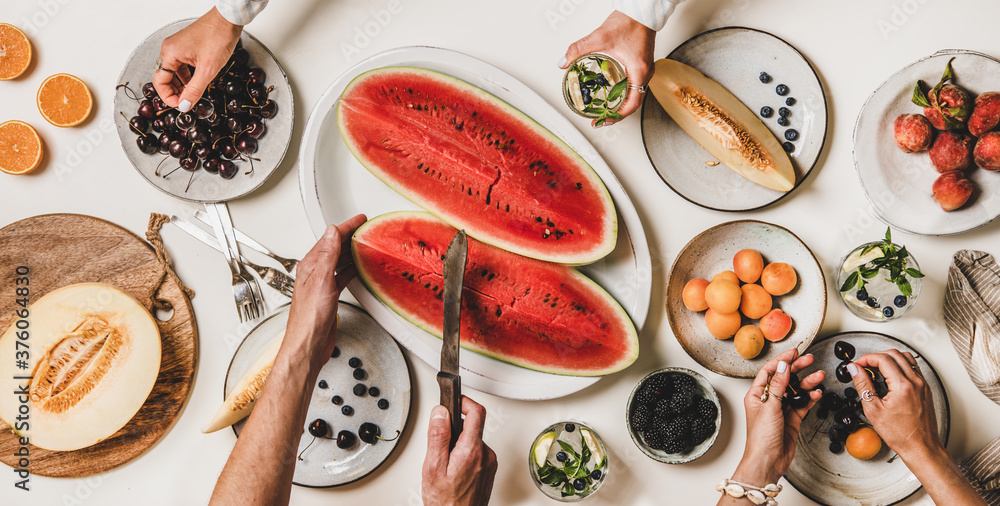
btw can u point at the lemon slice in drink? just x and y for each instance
(856, 259)
(853, 301)
(541, 449)
(595, 449)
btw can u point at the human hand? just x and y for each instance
(205, 45)
(319, 279)
(904, 417)
(771, 429)
(463, 476)
(631, 43)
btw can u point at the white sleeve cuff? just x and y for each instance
(240, 12)
(651, 13)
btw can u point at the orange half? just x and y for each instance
(15, 52)
(64, 100)
(20, 147)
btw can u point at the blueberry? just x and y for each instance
(872, 302)
(383, 404)
(791, 134)
(899, 301)
(596, 475)
(336, 352)
(783, 121)
(790, 101)
(781, 89)
(337, 400)
(601, 80)
(766, 111)
(888, 312)
(862, 294)
(579, 484)
(354, 362)
(570, 427)
(836, 447)
(561, 456)
(585, 93)
(359, 374)
(784, 112)
(373, 391)
(347, 410)
(322, 384)
(765, 77)
(360, 389)
(788, 146)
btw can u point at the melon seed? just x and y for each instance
(724, 128)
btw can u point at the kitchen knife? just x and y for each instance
(448, 377)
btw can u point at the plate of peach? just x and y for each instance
(741, 293)
(927, 147)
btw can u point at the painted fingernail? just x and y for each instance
(562, 62)
(853, 369)
(782, 365)
(184, 106)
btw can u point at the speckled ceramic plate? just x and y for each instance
(734, 57)
(839, 479)
(898, 184)
(710, 253)
(335, 186)
(205, 187)
(324, 464)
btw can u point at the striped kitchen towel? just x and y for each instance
(972, 314)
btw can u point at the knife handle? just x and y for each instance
(451, 398)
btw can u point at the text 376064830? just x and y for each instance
(21, 358)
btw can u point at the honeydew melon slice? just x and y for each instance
(93, 358)
(240, 402)
(722, 124)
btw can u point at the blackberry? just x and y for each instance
(646, 395)
(701, 429)
(662, 409)
(661, 382)
(678, 429)
(681, 401)
(673, 446)
(641, 417)
(684, 383)
(654, 438)
(706, 410)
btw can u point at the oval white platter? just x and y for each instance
(335, 186)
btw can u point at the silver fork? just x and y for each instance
(246, 304)
(227, 227)
(274, 278)
(288, 263)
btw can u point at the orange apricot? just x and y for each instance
(778, 278)
(756, 302)
(723, 296)
(722, 326)
(694, 294)
(775, 325)
(749, 341)
(748, 264)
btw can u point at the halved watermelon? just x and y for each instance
(478, 164)
(535, 314)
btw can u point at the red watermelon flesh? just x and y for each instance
(477, 163)
(535, 314)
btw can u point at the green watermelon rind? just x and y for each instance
(611, 237)
(623, 317)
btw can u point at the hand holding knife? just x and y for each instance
(448, 377)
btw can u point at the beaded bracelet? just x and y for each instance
(756, 495)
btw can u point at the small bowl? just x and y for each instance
(616, 71)
(705, 389)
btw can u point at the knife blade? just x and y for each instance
(449, 379)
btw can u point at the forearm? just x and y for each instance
(260, 468)
(756, 475)
(941, 477)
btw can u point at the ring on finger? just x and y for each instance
(767, 394)
(641, 88)
(866, 396)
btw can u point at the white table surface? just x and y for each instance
(854, 45)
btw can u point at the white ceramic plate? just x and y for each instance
(898, 184)
(335, 186)
(205, 187)
(734, 57)
(840, 479)
(710, 253)
(324, 464)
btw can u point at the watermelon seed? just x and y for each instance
(538, 219)
(490, 277)
(470, 192)
(435, 288)
(499, 312)
(474, 114)
(406, 274)
(579, 186)
(410, 277)
(571, 230)
(508, 208)
(552, 184)
(484, 273)
(428, 285)
(549, 223)
(559, 234)
(546, 234)
(442, 258)
(553, 304)
(422, 244)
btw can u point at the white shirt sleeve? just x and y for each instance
(651, 13)
(240, 12)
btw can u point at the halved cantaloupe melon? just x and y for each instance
(722, 124)
(240, 402)
(93, 358)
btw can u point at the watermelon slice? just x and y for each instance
(478, 164)
(535, 314)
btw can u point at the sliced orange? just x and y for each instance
(64, 100)
(15, 52)
(20, 147)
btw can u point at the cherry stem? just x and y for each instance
(299, 456)
(189, 181)
(136, 130)
(133, 96)
(157, 171)
(171, 172)
(393, 439)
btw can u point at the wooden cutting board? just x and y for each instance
(64, 249)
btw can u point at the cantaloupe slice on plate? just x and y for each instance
(94, 355)
(722, 124)
(240, 402)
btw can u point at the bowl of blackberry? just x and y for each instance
(673, 415)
